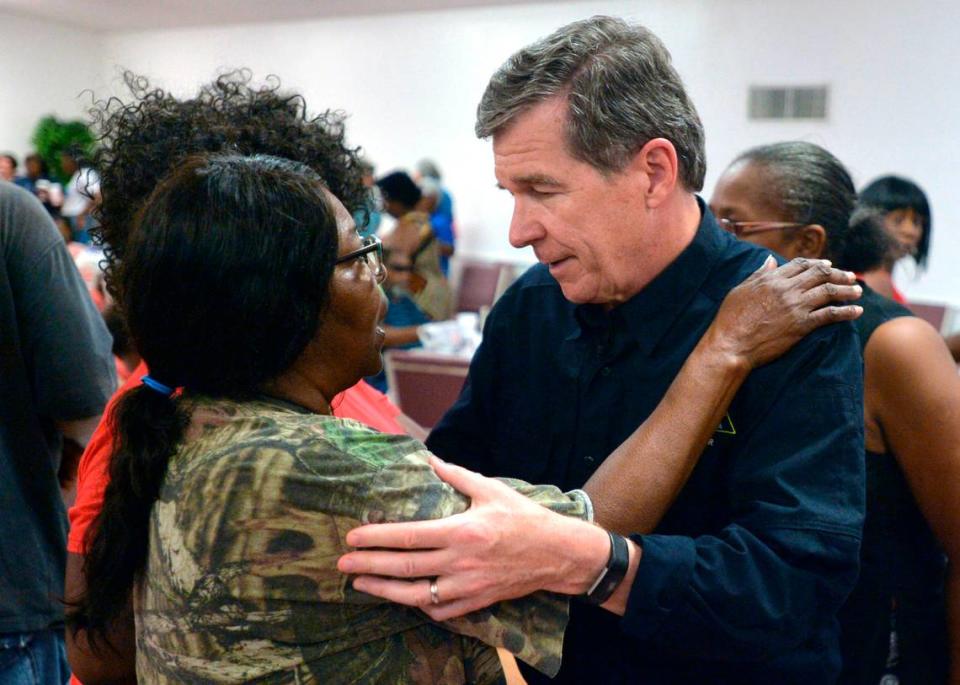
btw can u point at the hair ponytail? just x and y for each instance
(229, 259)
(813, 187)
(866, 243)
(149, 425)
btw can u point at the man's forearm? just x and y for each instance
(638, 482)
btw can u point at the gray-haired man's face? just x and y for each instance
(588, 228)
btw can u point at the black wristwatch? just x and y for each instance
(612, 574)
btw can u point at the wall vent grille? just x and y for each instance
(788, 102)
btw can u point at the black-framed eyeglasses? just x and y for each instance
(745, 228)
(372, 253)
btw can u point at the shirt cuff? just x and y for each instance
(660, 586)
(587, 502)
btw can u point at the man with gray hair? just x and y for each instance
(602, 151)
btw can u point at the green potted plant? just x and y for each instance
(53, 136)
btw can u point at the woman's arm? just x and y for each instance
(108, 664)
(953, 344)
(911, 383)
(400, 335)
(758, 321)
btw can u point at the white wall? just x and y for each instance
(411, 83)
(44, 66)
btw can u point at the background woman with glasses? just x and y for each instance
(798, 199)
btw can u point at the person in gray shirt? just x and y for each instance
(56, 374)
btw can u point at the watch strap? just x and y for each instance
(612, 574)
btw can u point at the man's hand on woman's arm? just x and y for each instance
(506, 546)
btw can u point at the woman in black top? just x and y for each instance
(907, 223)
(798, 200)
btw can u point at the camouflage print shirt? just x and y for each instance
(241, 582)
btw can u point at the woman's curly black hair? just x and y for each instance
(142, 138)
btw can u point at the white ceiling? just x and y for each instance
(133, 15)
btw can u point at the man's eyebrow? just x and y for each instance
(534, 180)
(538, 180)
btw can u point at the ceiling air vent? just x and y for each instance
(780, 102)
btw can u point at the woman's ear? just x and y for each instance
(811, 241)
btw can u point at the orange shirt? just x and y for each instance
(361, 402)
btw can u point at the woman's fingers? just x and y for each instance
(815, 272)
(799, 266)
(769, 264)
(824, 294)
(832, 314)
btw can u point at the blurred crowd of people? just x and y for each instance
(69, 204)
(418, 243)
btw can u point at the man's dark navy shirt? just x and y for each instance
(742, 579)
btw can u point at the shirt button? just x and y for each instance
(605, 371)
(588, 459)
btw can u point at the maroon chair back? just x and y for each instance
(478, 285)
(934, 314)
(423, 384)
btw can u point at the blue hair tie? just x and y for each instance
(157, 386)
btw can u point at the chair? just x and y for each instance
(478, 285)
(934, 314)
(424, 384)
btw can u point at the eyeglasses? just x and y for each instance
(745, 228)
(372, 254)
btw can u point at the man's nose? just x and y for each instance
(525, 227)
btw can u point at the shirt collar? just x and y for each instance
(649, 314)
